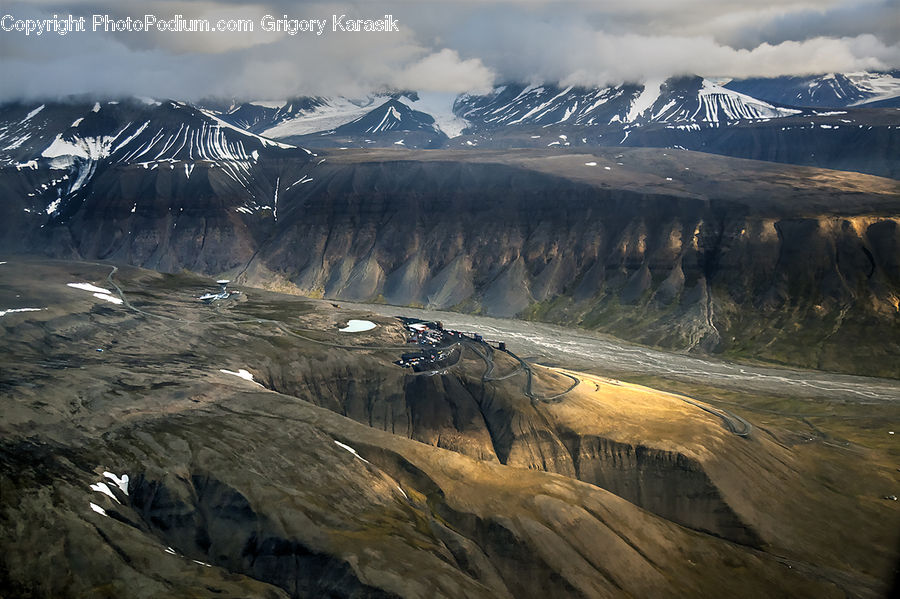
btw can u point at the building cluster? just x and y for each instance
(427, 359)
(223, 293)
(426, 333)
(432, 338)
(434, 341)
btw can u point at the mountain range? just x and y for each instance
(759, 119)
(644, 243)
(746, 119)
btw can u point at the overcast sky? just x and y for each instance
(443, 45)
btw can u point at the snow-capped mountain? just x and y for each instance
(685, 112)
(66, 146)
(378, 121)
(434, 119)
(677, 100)
(429, 120)
(298, 116)
(122, 132)
(259, 116)
(698, 100)
(690, 113)
(394, 116)
(291, 120)
(832, 90)
(517, 104)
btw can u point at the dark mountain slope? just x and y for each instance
(832, 90)
(669, 248)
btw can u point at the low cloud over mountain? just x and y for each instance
(441, 47)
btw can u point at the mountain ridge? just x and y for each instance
(676, 249)
(684, 112)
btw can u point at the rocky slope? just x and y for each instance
(670, 248)
(233, 487)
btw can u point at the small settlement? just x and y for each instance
(436, 345)
(223, 293)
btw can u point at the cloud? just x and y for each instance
(444, 71)
(445, 46)
(571, 49)
(638, 58)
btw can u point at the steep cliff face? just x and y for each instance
(684, 261)
(678, 249)
(493, 420)
(663, 482)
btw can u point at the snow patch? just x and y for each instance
(110, 298)
(52, 206)
(331, 114)
(351, 450)
(99, 510)
(60, 147)
(240, 373)
(645, 100)
(357, 326)
(440, 107)
(11, 310)
(33, 112)
(89, 287)
(17, 141)
(267, 104)
(881, 86)
(102, 488)
(226, 125)
(120, 481)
